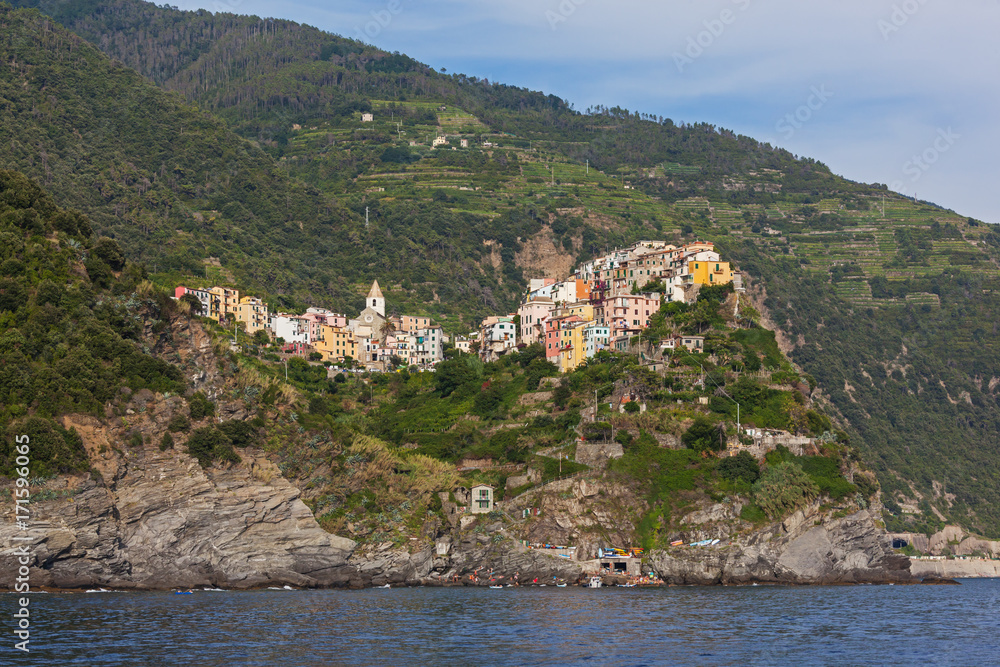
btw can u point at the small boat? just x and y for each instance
(496, 586)
(715, 541)
(595, 582)
(564, 585)
(183, 592)
(386, 586)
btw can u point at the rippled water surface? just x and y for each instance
(866, 625)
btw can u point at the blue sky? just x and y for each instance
(903, 92)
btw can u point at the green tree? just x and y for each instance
(260, 337)
(453, 374)
(703, 436)
(200, 406)
(741, 467)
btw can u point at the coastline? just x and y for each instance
(978, 568)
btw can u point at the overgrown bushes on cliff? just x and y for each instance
(52, 448)
(784, 488)
(69, 343)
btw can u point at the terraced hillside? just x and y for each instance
(890, 304)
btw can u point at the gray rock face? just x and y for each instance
(808, 548)
(163, 522)
(475, 559)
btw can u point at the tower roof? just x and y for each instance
(375, 292)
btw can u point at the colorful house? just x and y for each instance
(709, 272)
(533, 314)
(336, 343)
(253, 313)
(223, 302)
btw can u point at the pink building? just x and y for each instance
(317, 317)
(630, 313)
(533, 315)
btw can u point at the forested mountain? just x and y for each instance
(890, 304)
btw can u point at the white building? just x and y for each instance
(425, 346)
(203, 295)
(367, 117)
(291, 328)
(596, 337)
(497, 335)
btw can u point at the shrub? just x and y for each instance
(595, 431)
(208, 444)
(53, 449)
(318, 405)
(179, 422)
(740, 467)
(489, 402)
(545, 421)
(632, 407)
(624, 438)
(167, 442)
(200, 406)
(454, 374)
(241, 434)
(568, 420)
(136, 440)
(561, 395)
(783, 489)
(703, 436)
(825, 472)
(866, 486)
(752, 513)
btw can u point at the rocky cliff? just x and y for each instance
(810, 547)
(161, 521)
(149, 515)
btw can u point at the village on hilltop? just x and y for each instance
(607, 302)
(372, 339)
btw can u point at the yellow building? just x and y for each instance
(585, 311)
(222, 302)
(572, 347)
(710, 273)
(252, 312)
(336, 343)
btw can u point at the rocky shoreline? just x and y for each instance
(161, 522)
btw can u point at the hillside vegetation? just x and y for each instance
(888, 303)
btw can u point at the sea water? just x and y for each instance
(761, 625)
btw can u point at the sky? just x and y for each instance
(901, 92)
